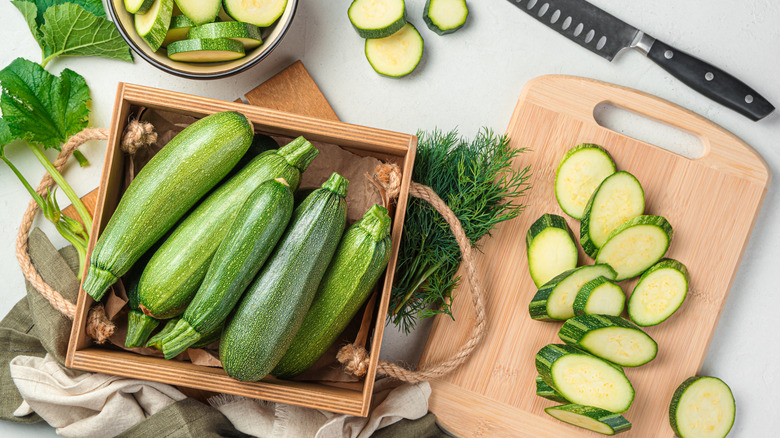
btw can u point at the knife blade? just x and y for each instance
(606, 35)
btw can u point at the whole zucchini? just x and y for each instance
(249, 241)
(176, 270)
(273, 308)
(139, 325)
(360, 260)
(172, 182)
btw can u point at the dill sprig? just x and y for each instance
(478, 182)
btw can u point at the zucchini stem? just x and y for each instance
(86, 218)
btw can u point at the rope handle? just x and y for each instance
(99, 327)
(355, 358)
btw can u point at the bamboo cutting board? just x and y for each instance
(712, 203)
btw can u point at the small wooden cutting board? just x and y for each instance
(712, 202)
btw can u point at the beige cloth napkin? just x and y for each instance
(81, 404)
(390, 404)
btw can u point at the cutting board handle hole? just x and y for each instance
(636, 126)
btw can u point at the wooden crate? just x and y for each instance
(350, 398)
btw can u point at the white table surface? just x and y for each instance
(471, 79)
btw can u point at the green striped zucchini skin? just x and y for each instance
(139, 326)
(586, 241)
(249, 241)
(659, 222)
(546, 391)
(584, 294)
(272, 309)
(716, 385)
(538, 307)
(438, 27)
(566, 257)
(551, 353)
(360, 260)
(176, 270)
(610, 422)
(574, 331)
(634, 312)
(163, 191)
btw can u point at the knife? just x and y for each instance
(606, 35)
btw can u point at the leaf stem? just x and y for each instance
(86, 218)
(38, 198)
(83, 161)
(78, 242)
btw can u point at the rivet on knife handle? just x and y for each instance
(710, 81)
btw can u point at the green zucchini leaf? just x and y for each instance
(5, 135)
(69, 30)
(95, 7)
(30, 11)
(40, 107)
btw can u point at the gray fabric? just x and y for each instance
(184, 419)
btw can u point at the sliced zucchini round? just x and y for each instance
(396, 55)
(377, 18)
(611, 338)
(261, 13)
(554, 300)
(153, 25)
(600, 296)
(582, 169)
(550, 248)
(702, 407)
(617, 199)
(590, 418)
(546, 391)
(178, 30)
(200, 11)
(659, 293)
(206, 50)
(245, 33)
(138, 6)
(445, 16)
(636, 245)
(584, 379)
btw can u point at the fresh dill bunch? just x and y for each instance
(481, 186)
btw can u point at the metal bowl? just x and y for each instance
(271, 35)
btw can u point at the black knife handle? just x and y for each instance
(710, 81)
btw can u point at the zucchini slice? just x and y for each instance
(582, 169)
(377, 18)
(600, 296)
(178, 30)
(546, 391)
(200, 11)
(659, 293)
(616, 200)
(591, 418)
(138, 6)
(550, 248)
(261, 13)
(554, 300)
(445, 16)
(636, 245)
(610, 337)
(702, 407)
(153, 25)
(584, 379)
(245, 33)
(206, 50)
(396, 55)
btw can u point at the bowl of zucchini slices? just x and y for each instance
(203, 39)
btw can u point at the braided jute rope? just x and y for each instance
(99, 326)
(355, 358)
